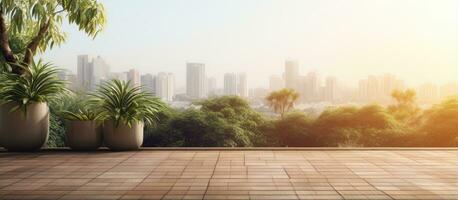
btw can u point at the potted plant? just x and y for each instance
(125, 109)
(83, 131)
(24, 112)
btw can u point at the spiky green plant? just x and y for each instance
(79, 115)
(40, 83)
(74, 106)
(119, 101)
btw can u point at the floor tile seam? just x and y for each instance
(181, 174)
(364, 179)
(213, 173)
(143, 180)
(130, 156)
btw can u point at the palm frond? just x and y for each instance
(119, 101)
(40, 83)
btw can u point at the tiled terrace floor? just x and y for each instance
(219, 174)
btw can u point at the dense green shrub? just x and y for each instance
(229, 121)
(294, 130)
(351, 126)
(225, 121)
(196, 128)
(56, 131)
(440, 125)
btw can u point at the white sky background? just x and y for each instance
(417, 40)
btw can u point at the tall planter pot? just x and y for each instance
(83, 135)
(122, 137)
(21, 131)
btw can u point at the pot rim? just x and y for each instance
(122, 122)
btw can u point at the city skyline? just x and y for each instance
(288, 64)
(313, 88)
(350, 39)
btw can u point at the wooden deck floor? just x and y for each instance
(219, 174)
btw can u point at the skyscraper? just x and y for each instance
(100, 72)
(291, 74)
(211, 86)
(330, 89)
(374, 89)
(362, 90)
(379, 88)
(230, 84)
(165, 86)
(134, 77)
(122, 76)
(148, 82)
(84, 71)
(195, 80)
(389, 84)
(310, 86)
(242, 85)
(91, 71)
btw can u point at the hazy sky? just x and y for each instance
(417, 40)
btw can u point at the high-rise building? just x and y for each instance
(291, 74)
(379, 88)
(362, 90)
(165, 86)
(276, 83)
(122, 76)
(100, 72)
(389, 84)
(330, 89)
(211, 86)
(195, 80)
(148, 82)
(230, 84)
(84, 72)
(242, 85)
(374, 89)
(310, 86)
(134, 77)
(91, 71)
(71, 79)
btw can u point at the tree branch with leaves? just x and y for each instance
(282, 101)
(28, 27)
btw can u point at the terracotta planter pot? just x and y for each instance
(122, 137)
(83, 135)
(21, 131)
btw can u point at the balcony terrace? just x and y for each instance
(220, 173)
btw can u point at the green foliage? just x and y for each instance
(118, 101)
(353, 126)
(440, 127)
(238, 112)
(162, 135)
(295, 130)
(200, 128)
(405, 109)
(224, 121)
(230, 122)
(56, 131)
(39, 84)
(29, 20)
(282, 101)
(75, 106)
